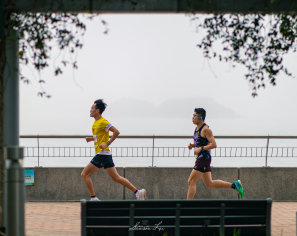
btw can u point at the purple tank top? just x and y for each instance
(199, 141)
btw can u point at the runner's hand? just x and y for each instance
(103, 146)
(89, 139)
(190, 146)
(197, 150)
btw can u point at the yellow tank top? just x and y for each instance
(100, 131)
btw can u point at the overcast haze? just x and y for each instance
(152, 75)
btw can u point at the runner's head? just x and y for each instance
(201, 113)
(99, 104)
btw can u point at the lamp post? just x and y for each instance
(15, 195)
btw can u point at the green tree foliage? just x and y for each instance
(255, 41)
(40, 32)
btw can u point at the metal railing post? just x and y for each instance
(267, 150)
(38, 148)
(153, 151)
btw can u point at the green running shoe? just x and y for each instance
(238, 187)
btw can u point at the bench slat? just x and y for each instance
(256, 220)
(205, 231)
(137, 212)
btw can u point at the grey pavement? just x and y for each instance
(63, 218)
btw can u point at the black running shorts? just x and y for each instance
(102, 161)
(202, 165)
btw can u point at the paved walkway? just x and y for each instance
(63, 218)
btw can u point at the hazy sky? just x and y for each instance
(152, 75)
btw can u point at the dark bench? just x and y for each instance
(176, 217)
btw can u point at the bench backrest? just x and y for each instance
(176, 217)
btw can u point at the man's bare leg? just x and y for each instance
(207, 179)
(112, 171)
(194, 177)
(85, 174)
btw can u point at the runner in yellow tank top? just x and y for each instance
(103, 157)
(100, 131)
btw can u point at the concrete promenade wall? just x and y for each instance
(172, 183)
(276, 183)
(66, 184)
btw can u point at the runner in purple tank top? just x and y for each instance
(204, 141)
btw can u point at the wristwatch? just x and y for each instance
(108, 143)
(202, 148)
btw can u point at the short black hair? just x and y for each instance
(100, 105)
(201, 111)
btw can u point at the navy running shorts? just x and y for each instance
(202, 165)
(102, 161)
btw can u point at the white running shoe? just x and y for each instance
(141, 194)
(94, 199)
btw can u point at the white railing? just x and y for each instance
(160, 151)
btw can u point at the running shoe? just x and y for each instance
(94, 199)
(239, 188)
(141, 194)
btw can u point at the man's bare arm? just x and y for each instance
(113, 137)
(212, 142)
